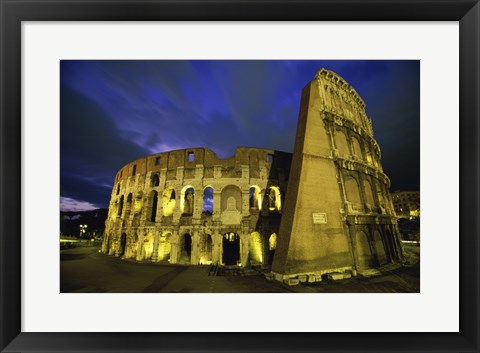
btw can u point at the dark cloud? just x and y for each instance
(91, 150)
(113, 112)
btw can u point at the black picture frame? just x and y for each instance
(13, 12)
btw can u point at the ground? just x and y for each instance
(86, 270)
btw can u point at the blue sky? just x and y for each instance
(112, 112)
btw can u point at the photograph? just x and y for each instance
(239, 176)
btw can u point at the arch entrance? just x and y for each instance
(123, 244)
(231, 248)
(186, 249)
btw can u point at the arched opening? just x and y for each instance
(342, 143)
(128, 207)
(364, 255)
(207, 200)
(187, 200)
(118, 189)
(367, 187)
(168, 202)
(185, 249)
(379, 247)
(231, 249)
(272, 245)
(148, 247)
(155, 180)
(254, 198)
(120, 207)
(122, 245)
(357, 150)
(256, 249)
(273, 199)
(392, 250)
(165, 247)
(352, 190)
(153, 206)
(206, 248)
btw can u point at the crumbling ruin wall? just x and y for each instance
(338, 214)
(158, 211)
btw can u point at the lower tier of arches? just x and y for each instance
(188, 245)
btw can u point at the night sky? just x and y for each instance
(113, 112)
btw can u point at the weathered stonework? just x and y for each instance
(155, 216)
(338, 215)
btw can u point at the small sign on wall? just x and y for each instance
(319, 218)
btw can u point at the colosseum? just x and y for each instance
(336, 216)
(191, 207)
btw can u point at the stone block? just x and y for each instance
(314, 278)
(336, 276)
(302, 278)
(291, 281)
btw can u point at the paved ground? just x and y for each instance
(86, 270)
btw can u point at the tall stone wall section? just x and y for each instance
(338, 215)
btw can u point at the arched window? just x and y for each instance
(352, 190)
(367, 187)
(129, 205)
(155, 181)
(120, 207)
(187, 200)
(205, 251)
(342, 143)
(153, 205)
(118, 189)
(272, 199)
(185, 248)
(254, 197)
(357, 150)
(364, 255)
(207, 200)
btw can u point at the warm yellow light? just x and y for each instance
(256, 248)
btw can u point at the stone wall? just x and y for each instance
(338, 215)
(157, 210)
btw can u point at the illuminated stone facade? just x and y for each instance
(192, 207)
(338, 214)
(337, 217)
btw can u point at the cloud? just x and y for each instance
(69, 204)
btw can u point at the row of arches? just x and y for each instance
(375, 249)
(269, 198)
(204, 249)
(349, 145)
(361, 191)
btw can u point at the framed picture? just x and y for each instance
(269, 322)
